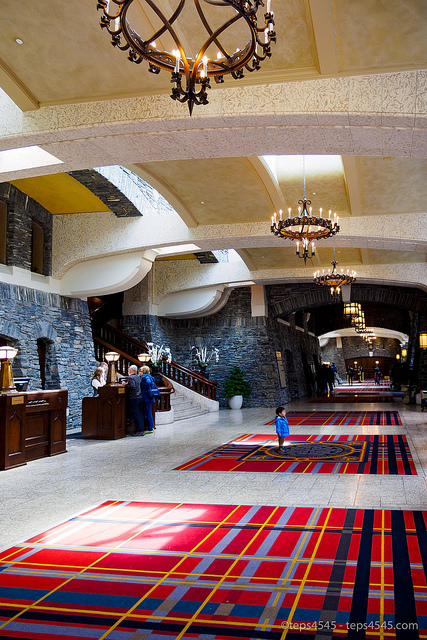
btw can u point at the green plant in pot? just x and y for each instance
(236, 387)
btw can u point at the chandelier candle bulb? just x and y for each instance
(280, 213)
(268, 6)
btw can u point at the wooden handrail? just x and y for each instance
(107, 338)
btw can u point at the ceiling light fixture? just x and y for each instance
(213, 59)
(333, 279)
(305, 227)
(352, 309)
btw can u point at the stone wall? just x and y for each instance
(332, 353)
(27, 315)
(248, 342)
(22, 211)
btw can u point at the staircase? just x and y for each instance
(193, 394)
(185, 407)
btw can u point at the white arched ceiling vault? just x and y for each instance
(208, 168)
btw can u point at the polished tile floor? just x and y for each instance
(48, 491)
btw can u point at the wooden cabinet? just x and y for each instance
(32, 426)
(104, 416)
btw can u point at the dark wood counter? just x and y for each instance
(104, 416)
(32, 426)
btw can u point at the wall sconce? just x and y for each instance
(397, 356)
(7, 354)
(423, 340)
(112, 357)
(144, 358)
(404, 353)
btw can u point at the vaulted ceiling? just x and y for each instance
(66, 59)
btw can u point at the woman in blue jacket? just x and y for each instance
(149, 392)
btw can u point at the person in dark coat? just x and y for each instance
(134, 400)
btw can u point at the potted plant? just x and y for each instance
(236, 387)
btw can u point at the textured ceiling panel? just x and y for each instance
(230, 189)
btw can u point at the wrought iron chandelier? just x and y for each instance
(197, 70)
(305, 227)
(334, 280)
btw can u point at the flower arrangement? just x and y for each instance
(204, 356)
(158, 353)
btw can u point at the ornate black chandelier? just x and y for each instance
(305, 227)
(333, 279)
(196, 70)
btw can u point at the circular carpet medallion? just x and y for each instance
(315, 451)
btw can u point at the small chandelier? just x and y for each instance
(358, 321)
(196, 70)
(305, 227)
(352, 309)
(334, 280)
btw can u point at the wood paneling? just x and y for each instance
(32, 426)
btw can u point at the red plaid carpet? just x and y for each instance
(342, 418)
(386, 455)
(133, 570)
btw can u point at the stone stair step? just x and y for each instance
(188, 414)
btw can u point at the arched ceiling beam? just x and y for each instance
(352, 185)
(165, 190)
(324, 35)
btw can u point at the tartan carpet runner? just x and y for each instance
(383, 454)
(132, 570)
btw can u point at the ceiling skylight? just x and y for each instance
(25, 158)
(289, 166)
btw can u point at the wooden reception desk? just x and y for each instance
(32, 426)
(104, 416)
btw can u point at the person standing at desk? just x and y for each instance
(134, 399)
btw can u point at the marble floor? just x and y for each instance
(48, 491)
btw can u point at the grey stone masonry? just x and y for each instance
(27, 315)
(245, 341)
(22, 211)
(110, 195)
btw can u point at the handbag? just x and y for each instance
(154, 391)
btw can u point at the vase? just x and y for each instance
(235, 402)
(204, 370)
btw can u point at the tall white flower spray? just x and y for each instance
(204, 355)
(158, 353)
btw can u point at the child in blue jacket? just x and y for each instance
(282, 427)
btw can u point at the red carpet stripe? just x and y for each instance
(169, 570)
